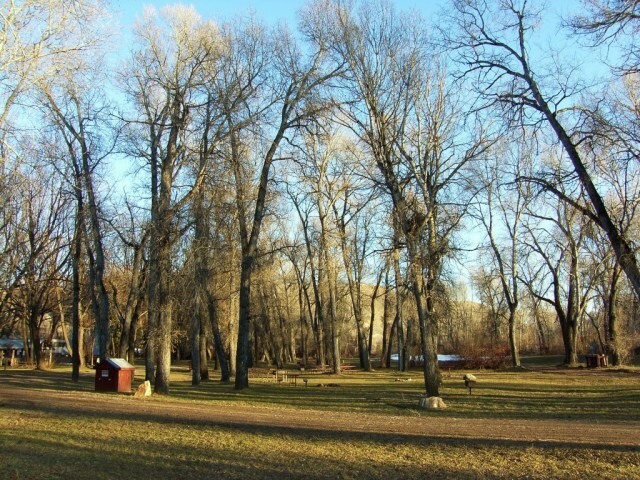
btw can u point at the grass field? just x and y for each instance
(58, 429)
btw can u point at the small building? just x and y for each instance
(11, 349)
(114, 375)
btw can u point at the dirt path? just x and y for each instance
(549, 432)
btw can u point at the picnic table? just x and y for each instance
(595, 360)
(285, 376)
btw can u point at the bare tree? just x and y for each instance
(375, 295)
(354, 217)
(295, 100)
(566, 284)
(78, 114)
(612, 22)
(133, 238)
(500, 207)
(35, 35)
(493, 44)
(37, 38)
(488, 285)
(302, 269)
(164, 80)
(304, 208)
(43, 251)
(323, 183)
(12, 182)
(403, 109)
(386, 314)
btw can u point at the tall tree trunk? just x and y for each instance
(356, 299)
(203, 274)
(221, 357)
(153, 275)
(34, 331)
(568, 324)
(164, 305)
(232, 341)
(326, 280)
(573, 310)
(372, 317)
(163, 231)
(513, 341)
(624, 253)
(133, 302)
(76, 329)
(399, 320)
(386, 313)
(249, 241)
(392, 335)
(613, 345)
(304, 324)
(195, 344)
(131, 349)
(204, 367)
(244, 325)
(424, 296)
(335, 331)
(102, 295)
(163, 356)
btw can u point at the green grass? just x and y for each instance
(44, 443)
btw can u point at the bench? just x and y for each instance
(348, 368)
(319, 369)
(262, 372)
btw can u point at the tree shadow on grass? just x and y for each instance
(208, 448)
(126, 412)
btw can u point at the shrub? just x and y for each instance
(491, 357)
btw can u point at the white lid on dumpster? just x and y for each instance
(119, 363)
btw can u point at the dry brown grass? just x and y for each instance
(57, 429)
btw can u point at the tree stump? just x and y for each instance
(432, 403)
(144, 389)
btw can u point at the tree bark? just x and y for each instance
(225, 369)
(386, 312)
(76, 358)
(612, 319)
(427, 320)
(399, 318)
(204, 367)
(195, 345)
(249, 240)
(355, 293)
(244, 324)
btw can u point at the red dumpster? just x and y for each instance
(114, 375)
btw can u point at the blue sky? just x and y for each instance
(269, 10)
